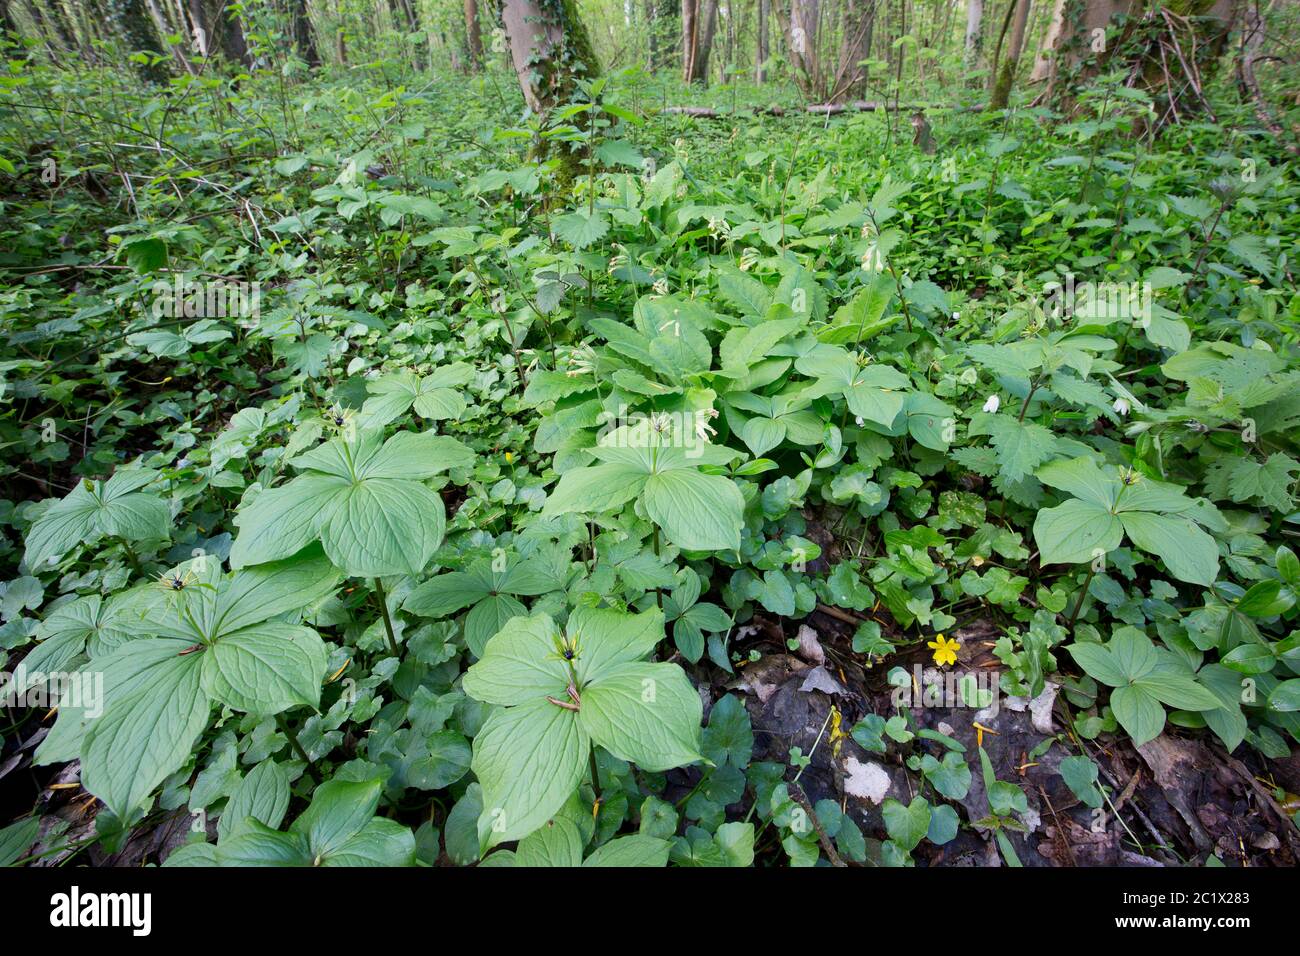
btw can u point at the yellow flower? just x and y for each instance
(509, 458)
(945, 650)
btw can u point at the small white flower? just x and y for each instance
(858, 419)
(956, 315)
(1121, 406)
(992, 404)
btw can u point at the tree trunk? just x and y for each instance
(131, 21)
(230, 34)
(549, 47)
(473, 35)
(1006, 75)
(304, 39)
(851, 78)
(698, 26)
(1170, 48)
(706, 23)
(974, 31)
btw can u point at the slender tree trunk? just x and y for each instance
(974, 31)
(473, 35)
(760, 67)
(1001, 94)
(304, 39)
(230, 32)
(851, 78)
(706, 23)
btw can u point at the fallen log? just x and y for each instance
(819, 109)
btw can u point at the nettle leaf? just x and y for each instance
(1021, 446)
(558, 693)
(93, 510)
(1156, 516)
(365, 501)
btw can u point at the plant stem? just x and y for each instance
(388, 621)
(293, 738)
(595, 773)
(1092, 569)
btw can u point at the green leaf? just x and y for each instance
(1138, 712)
(147, 733)
(520, 664)
(282, 521)
(1074, 532)
(1285, 697)
(908, 824)
(648, 714)
(558, 843)
(697, 512)
(607, 639)
(1189, 553)
(384, 526)
(529, 760)
(629, 851)
(1080, 775)
(596, 489)
(263, 795)
(265, 668)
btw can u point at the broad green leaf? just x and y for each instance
(529, 760)
(282, 521)
(520, 664)
(1075, 532)
(148, 733)
(697, 512)
(262, 795)
(1189, 553)
(596, 489)
(629, 851)
(265, 668)
(648, 714)
(384, 526)
(907, 824)
(1138, 712)
(607, 639)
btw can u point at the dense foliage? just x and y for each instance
(455, 522)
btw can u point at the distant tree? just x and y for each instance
(304, 39)
(473, 35)
(1004, 72)
(132, 22)
(699, 21)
